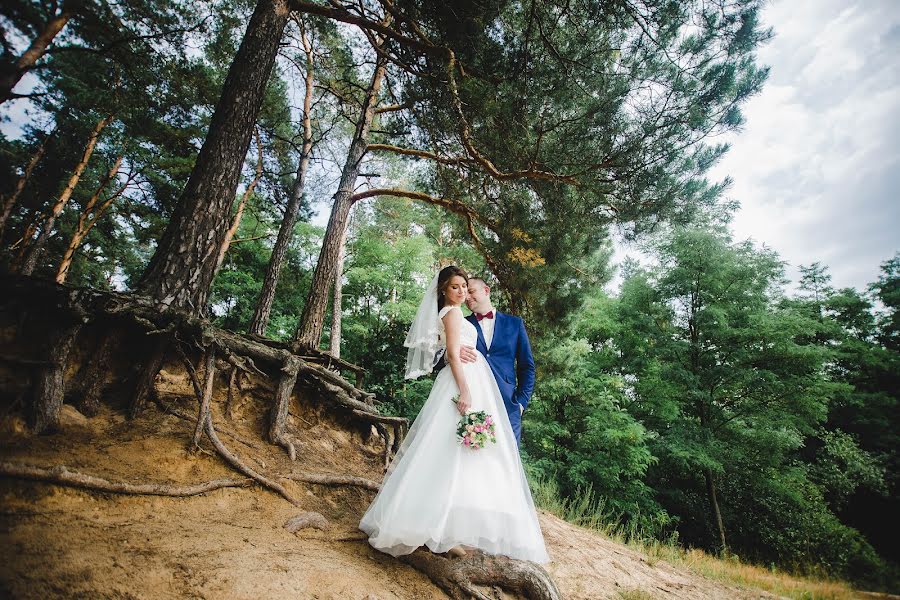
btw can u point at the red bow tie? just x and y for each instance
(487, 315)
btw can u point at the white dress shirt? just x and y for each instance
(487, 328)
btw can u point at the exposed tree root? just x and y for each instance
(334, 480)
(94, 377)
(144, 386)
(386, 454)
(210, 372)
(61, 475)
(49, 383)
(182, 415)
(235, 462)
(205, 421)
(243, 350)
(234, 383)
(278, 422)
(335, 379)
(307, 520)
(458, 577)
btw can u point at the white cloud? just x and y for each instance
(816, 167)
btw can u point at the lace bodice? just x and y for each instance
(468, 333)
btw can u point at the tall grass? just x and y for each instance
(590, 511)
(587, 509)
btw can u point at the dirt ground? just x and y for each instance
(63, 542)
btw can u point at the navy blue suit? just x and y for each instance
(512, 363)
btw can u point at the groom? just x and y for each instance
(503, 342)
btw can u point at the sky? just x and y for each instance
(816, 167)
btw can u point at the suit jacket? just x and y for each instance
(510, 359)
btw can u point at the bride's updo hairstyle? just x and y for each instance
(444, 277)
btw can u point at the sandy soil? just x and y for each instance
(62, 542)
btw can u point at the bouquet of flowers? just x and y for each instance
(475, 429)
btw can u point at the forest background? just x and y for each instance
(176, 149)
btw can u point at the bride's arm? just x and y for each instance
(452, 327)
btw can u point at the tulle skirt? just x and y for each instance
(440, 494)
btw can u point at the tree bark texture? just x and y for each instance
(260, 320)
(239, 213)
(312, 321)
(50, 389)
(10, 74)
(10, 201)
(337, 305)
(88, 219)
(181, 271)
(33, 251)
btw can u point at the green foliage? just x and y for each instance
(236, 288)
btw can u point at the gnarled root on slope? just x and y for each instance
(459, 577)
(61, 475)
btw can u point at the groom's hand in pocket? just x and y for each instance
(467, 354)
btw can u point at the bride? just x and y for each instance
(437, 492)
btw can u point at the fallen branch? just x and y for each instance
(61, 475)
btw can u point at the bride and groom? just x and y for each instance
(437, 492)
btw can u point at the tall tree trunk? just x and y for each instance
(11, 73)
(714, 506)
(32, 253)
(337, 306)
(312, 321)
(10, 201)
(236, 222)
(86, 221)
(181, 271)
(260, 320)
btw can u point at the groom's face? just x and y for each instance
(479, 298)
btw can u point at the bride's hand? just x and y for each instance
(464, 403)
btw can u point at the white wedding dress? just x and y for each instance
(440, 494)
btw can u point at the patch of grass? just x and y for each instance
(591, 512)
(585, 510)
(733, 571)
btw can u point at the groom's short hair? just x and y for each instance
(479, 280)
